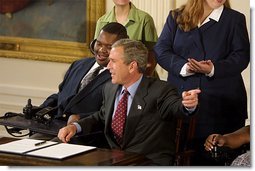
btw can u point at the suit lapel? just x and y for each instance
(135, 113)
(103, 77)
(207, 25)
(136, 110)
(82, 72)
(100, 79)
(109, 107)
(196, 34)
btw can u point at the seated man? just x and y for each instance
(232, 140)
(138, 112)
(78, 97)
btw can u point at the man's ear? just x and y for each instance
(133, 66)
(92, 46)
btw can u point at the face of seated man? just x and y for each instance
(103, 46)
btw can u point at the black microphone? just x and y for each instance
(27, 110)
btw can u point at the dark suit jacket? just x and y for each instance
(223, 100)
(69, 101)
(89, 100)
(150, 125)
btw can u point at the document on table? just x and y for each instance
(24, 145)
(60, 151)
(46, 149)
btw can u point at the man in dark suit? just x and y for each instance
(72, 102)
(152, 105)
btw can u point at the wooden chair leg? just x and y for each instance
(183, 154)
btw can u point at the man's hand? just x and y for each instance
(214, 139)
(66, 133)
(190, 98)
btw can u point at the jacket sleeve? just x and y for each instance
(170, 105)
(52, 100)
(239, 56)
(95, 121)
(165, 54)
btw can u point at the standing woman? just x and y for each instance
(139, 24)
(204, 44)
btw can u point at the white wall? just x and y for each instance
(22, 79)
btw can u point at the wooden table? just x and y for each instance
(98, 157)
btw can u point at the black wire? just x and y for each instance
(10, 130)
(11, 114)
(12, 134)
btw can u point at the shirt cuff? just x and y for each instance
(184, 72)
(211, 73)
(78, 127)
(191, 110)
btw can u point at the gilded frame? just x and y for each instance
(51, 50)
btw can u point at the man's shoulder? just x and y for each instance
(81, 63)
(84, 60)
(157, 84)
(155, 80)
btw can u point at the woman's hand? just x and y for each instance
(204, 67)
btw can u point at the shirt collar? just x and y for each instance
(132, 89)
(131, 16)
(97, 65)
(132, 13)
(215, 15)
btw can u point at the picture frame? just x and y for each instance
(54, 50)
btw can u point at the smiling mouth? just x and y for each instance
(101, 58)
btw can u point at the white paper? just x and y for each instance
(60, 151)
(23, 146)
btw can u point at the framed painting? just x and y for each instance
(49, 30)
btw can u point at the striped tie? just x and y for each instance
(89, 77)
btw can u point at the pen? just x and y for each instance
(40, 143)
